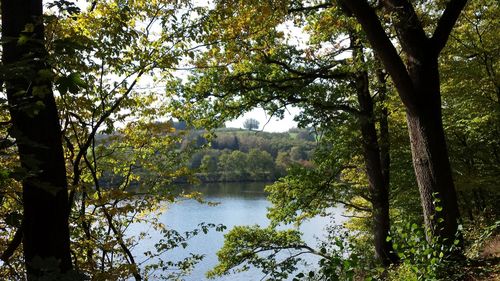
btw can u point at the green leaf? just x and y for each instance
(77, 80)
(23, 39)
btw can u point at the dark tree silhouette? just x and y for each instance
(35, 126)
(251, 124)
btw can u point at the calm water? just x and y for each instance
(240, 204)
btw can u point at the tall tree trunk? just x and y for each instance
(430, 153)
(378, 181)
(384, 137)
(37, 132)
(417, 82)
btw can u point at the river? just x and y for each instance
(239, 204)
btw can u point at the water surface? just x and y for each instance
(239, 204)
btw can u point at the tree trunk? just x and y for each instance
(384, 143)
(430, 153)
(37, 132)
(417, 83)
(378, 181)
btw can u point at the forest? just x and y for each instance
(113, 109)
(239, 155)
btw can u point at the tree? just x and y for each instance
(376, 156)
(251, 124)
(417, 82)
(260, 164)
(306, 134)
(471, 91)
(35, 126)
(273, 74)
(96, 58)
(209, 163)
(282, 162)
(117, 173)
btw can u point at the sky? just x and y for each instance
(274, 124)
(297, 37)
(267, 123)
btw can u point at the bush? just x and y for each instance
(402, 272)
(425, 260)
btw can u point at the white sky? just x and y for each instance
(274, 124)
(295, 36)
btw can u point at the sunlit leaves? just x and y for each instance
(263, 248)
(471, 92)
(111, 60)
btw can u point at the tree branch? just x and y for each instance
(354, 206)
(117, 234)
(325, 106)
(13, 245)
(83, 147)
(384, 48)
(408, 27)
(323, 72)
(310, 8)
(446, 23)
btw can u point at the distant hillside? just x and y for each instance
(231, 155)
(243, 155)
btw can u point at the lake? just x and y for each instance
(239, 204)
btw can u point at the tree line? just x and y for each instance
(238, 156)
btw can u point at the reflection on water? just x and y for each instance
(239, 204)
(242, 191)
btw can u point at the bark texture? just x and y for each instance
(37, 132)
(417, 82)
(430, 154)
(376, 161)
